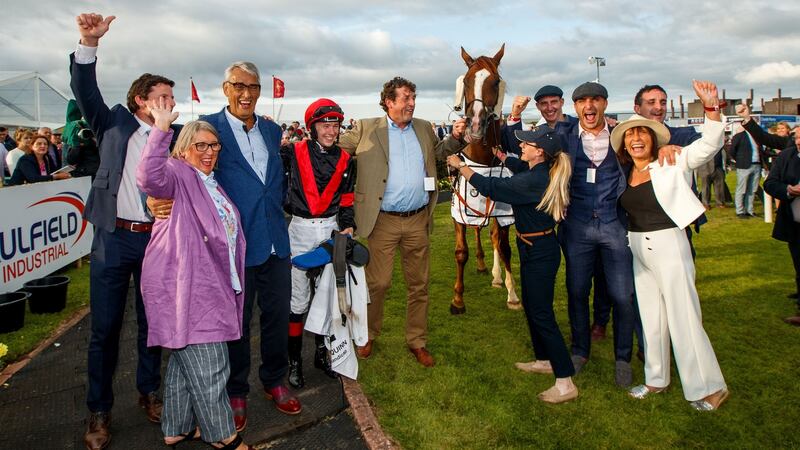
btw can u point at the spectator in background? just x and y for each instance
(35, 167)
(25, 139)
(79, 146)
(783, 183)
(3, 168)
(748, 155)
(55, 140)
(52, 151)
(6, 140)
(713, 174)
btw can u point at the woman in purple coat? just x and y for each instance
(192, 280)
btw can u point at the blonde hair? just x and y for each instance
(556, 197)
(187, 134)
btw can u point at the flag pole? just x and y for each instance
(273, 96)
(191, 98)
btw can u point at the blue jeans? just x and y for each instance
(583, 244)
(746, 187)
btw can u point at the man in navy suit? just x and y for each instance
(250, 170)
(595, 228)
(122, 228)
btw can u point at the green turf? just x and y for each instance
(39, 326)
(475, 398)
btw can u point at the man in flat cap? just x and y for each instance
(595, 228)
(550, 103)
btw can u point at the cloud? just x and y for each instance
(773, 72)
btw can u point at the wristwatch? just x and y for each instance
(462, 164)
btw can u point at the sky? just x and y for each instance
(346, 49)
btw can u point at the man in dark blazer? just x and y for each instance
(122, 228)
(250, 170)
(747, 153)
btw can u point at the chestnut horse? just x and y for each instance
(481, 90)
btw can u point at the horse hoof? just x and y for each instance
(456, 310)
(515, 306)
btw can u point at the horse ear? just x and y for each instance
(499, 55)
(467, 59)
(458, 101)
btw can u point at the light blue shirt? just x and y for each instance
(251, 144)
(405, 185)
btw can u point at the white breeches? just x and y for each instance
(664, 276)
(306, 235)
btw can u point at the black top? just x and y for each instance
(523, 192)
(644, 211)
(320, 166)
(27, 170)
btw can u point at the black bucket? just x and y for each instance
(48, 294)
(12, 311)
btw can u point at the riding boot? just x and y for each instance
(322, 359)
(296, 379)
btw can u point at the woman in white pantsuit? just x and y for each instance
(660, 204)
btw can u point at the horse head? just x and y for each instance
(481, 91)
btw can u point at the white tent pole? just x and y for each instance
(37, 99)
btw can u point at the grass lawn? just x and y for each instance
(475, 398)
(39, 326)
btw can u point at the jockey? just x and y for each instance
(321, 179)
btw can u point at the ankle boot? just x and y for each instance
(322, 359)
(296, 379)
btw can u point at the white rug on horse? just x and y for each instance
(479, 209)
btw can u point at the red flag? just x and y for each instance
(195, 97)
(277, 88)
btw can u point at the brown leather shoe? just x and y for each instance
(423, 356)
(794, 320)
(152, 406)
(285, 401)
(97, 436)
(598, 332)
(365, 351)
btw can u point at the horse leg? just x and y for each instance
(503, 249)
(462, 254)
(479, 255)
(497, 276)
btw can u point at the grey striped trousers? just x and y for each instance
(194, 392)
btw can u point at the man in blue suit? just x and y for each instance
(250, 170)
(122, 228)
(595, 227)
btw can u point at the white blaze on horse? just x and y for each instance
(480, 93)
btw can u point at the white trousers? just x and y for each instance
(304, 236)
(664, 275)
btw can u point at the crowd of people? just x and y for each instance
(195, 214)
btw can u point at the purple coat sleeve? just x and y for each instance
(153, 176)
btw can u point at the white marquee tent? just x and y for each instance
(26, 100)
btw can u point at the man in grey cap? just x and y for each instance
(550, 103)
(595, 229)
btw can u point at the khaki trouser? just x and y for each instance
(410, 234)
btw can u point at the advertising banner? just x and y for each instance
(42, 229)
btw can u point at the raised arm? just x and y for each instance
(703, 150)
(153, 176)
(82, 69)
(755, 130)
